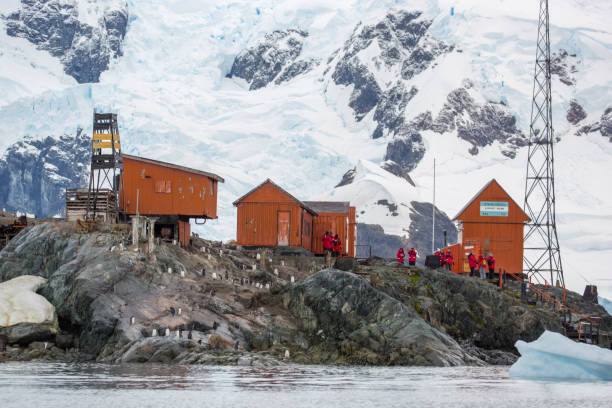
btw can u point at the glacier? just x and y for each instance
(555, 357)
(176, 103)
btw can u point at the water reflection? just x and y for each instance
(98, 385)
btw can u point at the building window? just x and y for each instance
(163, 186)
(212, 188)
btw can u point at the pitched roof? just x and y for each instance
(329, 206)
(480, 192)
(268, 181)
(174, 166)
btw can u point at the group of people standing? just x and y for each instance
(446, 259)
(332, 244)
(482, 264)
(412, 256)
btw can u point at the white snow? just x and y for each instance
(19, 302)
(175, 104)
(554, 356)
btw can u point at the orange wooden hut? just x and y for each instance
(174, 194)
(269, 216)
(337, 217)
(491, 222)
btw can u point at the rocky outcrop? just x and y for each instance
(34, 173)
(201, 305)
(575, 113)
(407, 149)
(394, 168)
(403, 44)
(479, 124)
(420, 232)
(563, 65)
(274, 59)
(54, 26)
(336, 308)
(603, 126)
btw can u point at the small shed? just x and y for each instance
(172, 193)
(492, 222)
(269, 216)
(337, 217)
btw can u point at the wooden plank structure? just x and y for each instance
(337, 217)
(491, 222)
(269, 216)
(172, 193)
(104, 200)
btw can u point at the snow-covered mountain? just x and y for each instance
(362, 95)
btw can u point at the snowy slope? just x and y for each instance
(175, 103)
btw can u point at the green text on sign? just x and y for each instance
(493, 209)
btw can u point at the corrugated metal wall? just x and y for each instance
(167, 191)
(333, 222)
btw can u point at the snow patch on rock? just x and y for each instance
(19, 302)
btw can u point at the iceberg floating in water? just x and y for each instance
(554, 356)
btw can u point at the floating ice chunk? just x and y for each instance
(554, 356)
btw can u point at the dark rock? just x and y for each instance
(34, 174)
(345, 264)
(407, 149)
(391, 206)
(480, 125)
(275, 57)
(335, 307)
(390, 110)
(374, 237)
(394, 168)
(366, 92)
(564, 65)
(64, 341)
(575, 113)
(25, 333)
(295, 69)
(53, 25)
(347, 178)
(420, 228)
(605, 123)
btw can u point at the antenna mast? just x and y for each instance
(542, 257)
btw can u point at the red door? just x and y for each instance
(283, 228)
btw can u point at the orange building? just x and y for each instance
(337, 217)
(268, 216)
(172, 193)
(491, 222)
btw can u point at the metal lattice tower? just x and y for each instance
(542, 258)
(106, 167)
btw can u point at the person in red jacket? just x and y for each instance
(337, 246)
(491, 265)
(449, 260)
(326, 242)
(440, 255)
(400, 255)
(412, 256)
(473, 262)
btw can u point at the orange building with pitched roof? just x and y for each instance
(491, 222)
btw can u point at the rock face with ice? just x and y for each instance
(25, 316)
(274, 59)
(555, 357)
(54, 26)
(34, 174)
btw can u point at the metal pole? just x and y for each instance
(433, 212)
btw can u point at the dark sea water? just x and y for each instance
(95, 385)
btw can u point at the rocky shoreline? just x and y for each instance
(218, 304)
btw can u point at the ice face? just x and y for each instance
(554, 356)
(19, 302)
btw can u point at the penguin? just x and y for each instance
(236, 345)
(172, 311)
(154, 333)
(200, 341)
(215, 325)
(190, 335)
(180, 311)
(167, 332)
(132, 320)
